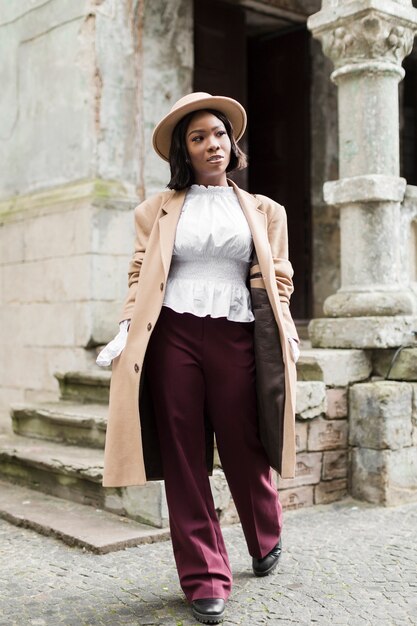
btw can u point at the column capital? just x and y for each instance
(365, 34)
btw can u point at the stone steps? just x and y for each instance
(57, 449)
(64, 422)
(75, 524)
(56, 454)
(75, 473)
(85, 386)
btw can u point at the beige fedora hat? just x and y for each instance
(161, 138)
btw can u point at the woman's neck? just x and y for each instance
(215, 181)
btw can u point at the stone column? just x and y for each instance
(367, 41)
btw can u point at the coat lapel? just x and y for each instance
(258, 225)
(168, 221)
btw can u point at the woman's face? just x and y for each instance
(208, 146)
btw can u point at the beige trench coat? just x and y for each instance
(155, 223)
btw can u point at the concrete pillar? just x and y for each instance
(367, 41)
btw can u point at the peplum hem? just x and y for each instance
(215, 298)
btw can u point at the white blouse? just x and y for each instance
(211, 257)
(210, 262)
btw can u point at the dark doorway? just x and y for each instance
(279, 147)
(269, 74)
(220, 57)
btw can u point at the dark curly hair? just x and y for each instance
(182, 174)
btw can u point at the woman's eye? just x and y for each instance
(221, 132)
(196, 138)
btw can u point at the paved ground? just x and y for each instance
(344, 564)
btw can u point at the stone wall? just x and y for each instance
(80, 78)
(68, 162)
(69, 112)
(63, 269)
(168, 60)
(322, 431)
(322, 426)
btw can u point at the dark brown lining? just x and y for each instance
(270, 377)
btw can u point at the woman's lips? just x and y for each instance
(215, 158)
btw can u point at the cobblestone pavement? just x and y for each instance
(346, 563)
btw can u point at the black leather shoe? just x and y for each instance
(263, 567)
(209, 610)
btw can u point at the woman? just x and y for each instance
(196, 336)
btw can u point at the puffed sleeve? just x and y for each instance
(278, 240)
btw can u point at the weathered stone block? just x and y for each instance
(67, 361)
(54, 324)
(342, 367)
(337, 405)
(11, 243)
(385, 476)
(8, 396)
(335, 465)
(404, 366)
(308, 368)
(113, 231)
(33, 368)
(331, 491)
(380, 415)
(307, 471)
(296, 498)
(85, 386)
(14, 375)
(97, 322)
(109, 277)
(223, 501)
(311, 399)
(48, 280)
(327, 434)
(402, 476)
(59, 229)
(146, 504)
(35, 396)
(301, 436)
(362, 332)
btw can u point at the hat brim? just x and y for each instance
(234, 111)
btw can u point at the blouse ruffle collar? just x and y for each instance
(202, 189)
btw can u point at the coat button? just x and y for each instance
(136, 368)
(161, 286)
(149, 326)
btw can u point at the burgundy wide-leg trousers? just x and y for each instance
(199, 365)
